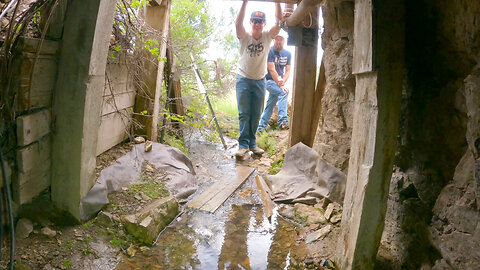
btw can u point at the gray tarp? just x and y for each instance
(126, 171)
(304, 174)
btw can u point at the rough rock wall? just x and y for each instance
(332, 140)
(433, 214)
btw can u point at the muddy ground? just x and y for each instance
(102, 243)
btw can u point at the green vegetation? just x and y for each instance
(152, 190)
(276, 166)
(69, 244)
(117, 242)
(267, 143)
(67, 263)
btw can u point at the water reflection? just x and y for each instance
(239, 238)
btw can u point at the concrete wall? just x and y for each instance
(117, 104)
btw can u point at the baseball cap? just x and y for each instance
(282, 34)
(258, 15)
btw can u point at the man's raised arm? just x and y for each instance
(239, 21)
(278, 16)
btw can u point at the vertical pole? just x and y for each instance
(378, 65)
(303, 101)
(161, 65)
(203, 91)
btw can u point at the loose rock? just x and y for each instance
(148, 146)
(131, 251)
(48, 232)
(332, 207)
(336, 218)
(309, 214)
(24, 228)
(139, 139)
(152, 219)
(311, 237)
(104, 219)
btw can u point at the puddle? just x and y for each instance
(243, 239)
(237, 236)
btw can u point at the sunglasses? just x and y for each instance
(254, 21)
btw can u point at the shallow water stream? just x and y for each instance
(237, 236)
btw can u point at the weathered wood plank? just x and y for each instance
(266, 196)
(303, 94)
(49, 47)
(30, 184)
(32, 127)
(207, 195)
(36, 91)
(217, 193)
(35, 155)
(158, 18)
(117, 102)
(378, 96)
(113, 129)
(363, 37)
(317, 102)
(241, 174)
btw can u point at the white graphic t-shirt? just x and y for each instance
(253, 56)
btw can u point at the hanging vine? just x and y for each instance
(20, 23)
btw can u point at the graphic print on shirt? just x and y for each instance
(281, 60)
(255, 49)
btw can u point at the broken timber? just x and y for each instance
(219, 192)
(266, 195)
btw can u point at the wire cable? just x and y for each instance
(9, 208)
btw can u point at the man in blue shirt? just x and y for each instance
(278, 64)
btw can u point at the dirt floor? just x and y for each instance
(102, 243)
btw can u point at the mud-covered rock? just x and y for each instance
(150, 221)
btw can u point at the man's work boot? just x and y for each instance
(284, 125)
(257, 151)
(241, 153)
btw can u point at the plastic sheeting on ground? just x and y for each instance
(181, 180)
(304, 174)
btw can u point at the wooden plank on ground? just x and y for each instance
(266, 195)
(32, 127)
(219, 192)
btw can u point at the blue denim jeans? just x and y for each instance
(275, 94)
(250, 99)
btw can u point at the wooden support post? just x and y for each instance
(379, 69)
(304, 89)
(163, 26)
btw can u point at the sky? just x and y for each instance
(222, 8)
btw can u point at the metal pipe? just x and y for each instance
(203, 91)
(302, 10)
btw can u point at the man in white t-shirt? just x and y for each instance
(251, 71)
